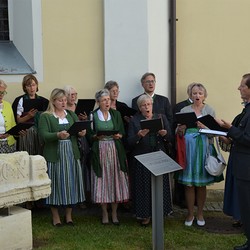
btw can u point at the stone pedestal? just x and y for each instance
(16, 229)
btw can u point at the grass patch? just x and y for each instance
(90, 234)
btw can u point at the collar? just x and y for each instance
(149, 94)
(101, 117)
(58, 116)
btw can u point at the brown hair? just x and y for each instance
(246, 77)
(27, 80)
(146, 75)
(110, 84)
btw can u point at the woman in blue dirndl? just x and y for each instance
(194, 176)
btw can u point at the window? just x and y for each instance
(21, 50)
(4, 21)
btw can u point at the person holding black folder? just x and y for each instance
(71, 94)
(240, 157)
(7, 121)
(109, 182)
(26, 113)
(63, 157)
(144, 141)
(194, 176)
(72, 101)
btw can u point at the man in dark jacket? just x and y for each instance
(240, 154)
(161, 104)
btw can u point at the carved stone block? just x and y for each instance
(23, 177)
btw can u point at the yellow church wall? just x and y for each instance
(73, 52)
(212, 48)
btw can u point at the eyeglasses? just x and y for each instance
(31, 85)
(148, 81)
(114, 91)
(3, 93)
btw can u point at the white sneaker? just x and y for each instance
(201, 223)
(189, 223)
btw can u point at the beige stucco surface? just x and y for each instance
(72, 47)
(212, 48)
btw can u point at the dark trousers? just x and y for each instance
(243, 187)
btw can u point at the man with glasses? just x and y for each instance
(161, 104)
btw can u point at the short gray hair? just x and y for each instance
(101, 93)
(143, 98)
(68, 89)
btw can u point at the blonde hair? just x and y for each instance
(55, 94)
(3, 84)
(200, 86)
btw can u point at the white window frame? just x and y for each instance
(25, 30)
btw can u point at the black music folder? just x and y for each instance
(85, 106)
(127, 111)
(79, 126)
(189, 119)
(211, 123)
(154, 125)
(20, 126)
(37, 103)
(107, 132)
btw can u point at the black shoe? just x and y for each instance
(116, 223)
(145, 222)
(69, 223)
(105, 223)
(237, 223)
(57, 224)
(242, 247)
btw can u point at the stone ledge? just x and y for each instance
(215, 195)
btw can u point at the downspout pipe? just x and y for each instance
(172, 37)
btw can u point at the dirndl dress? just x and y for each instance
(113, 185)
(30, 142)
(66, 176)
(195, 173)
